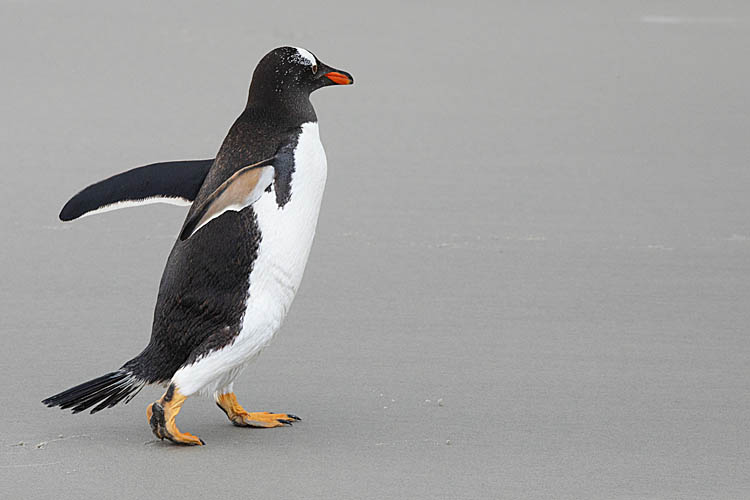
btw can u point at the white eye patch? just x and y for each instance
(306, 57)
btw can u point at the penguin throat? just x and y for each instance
(287, 101)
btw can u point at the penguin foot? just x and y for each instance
(262, 419)
(161, 415)
(241, 418)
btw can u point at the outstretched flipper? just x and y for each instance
(246, 186)
(174, 182)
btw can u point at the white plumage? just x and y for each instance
(169, 200)
(286, 238)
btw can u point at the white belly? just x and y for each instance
(286, 238)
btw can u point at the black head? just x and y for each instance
(291, 73)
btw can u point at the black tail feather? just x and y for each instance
(104, 392)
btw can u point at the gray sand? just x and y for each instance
(538, 216)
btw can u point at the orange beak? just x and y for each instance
(339, 78)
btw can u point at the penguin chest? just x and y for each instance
(286, 238)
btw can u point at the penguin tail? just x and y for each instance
(104, 392)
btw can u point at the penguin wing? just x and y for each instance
(174, 182)
(239, 191)
(246, 186)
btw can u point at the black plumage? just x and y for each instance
(172, 179)
(105, 392)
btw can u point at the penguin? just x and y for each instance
(238, 261)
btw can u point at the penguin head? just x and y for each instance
(288, 72)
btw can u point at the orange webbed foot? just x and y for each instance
(161, 417)
(242, 418)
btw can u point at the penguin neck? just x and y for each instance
(289, 103)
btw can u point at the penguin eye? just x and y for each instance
(314, 68)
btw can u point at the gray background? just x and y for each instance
(536, 213)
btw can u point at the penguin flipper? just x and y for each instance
(174, 182)
(247, 185)
(239, 191)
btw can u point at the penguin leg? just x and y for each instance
(242, 418)
(161, 415)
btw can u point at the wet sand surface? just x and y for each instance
(530, 277)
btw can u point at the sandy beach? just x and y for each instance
(529, 280)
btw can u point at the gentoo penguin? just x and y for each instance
(238, 262)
